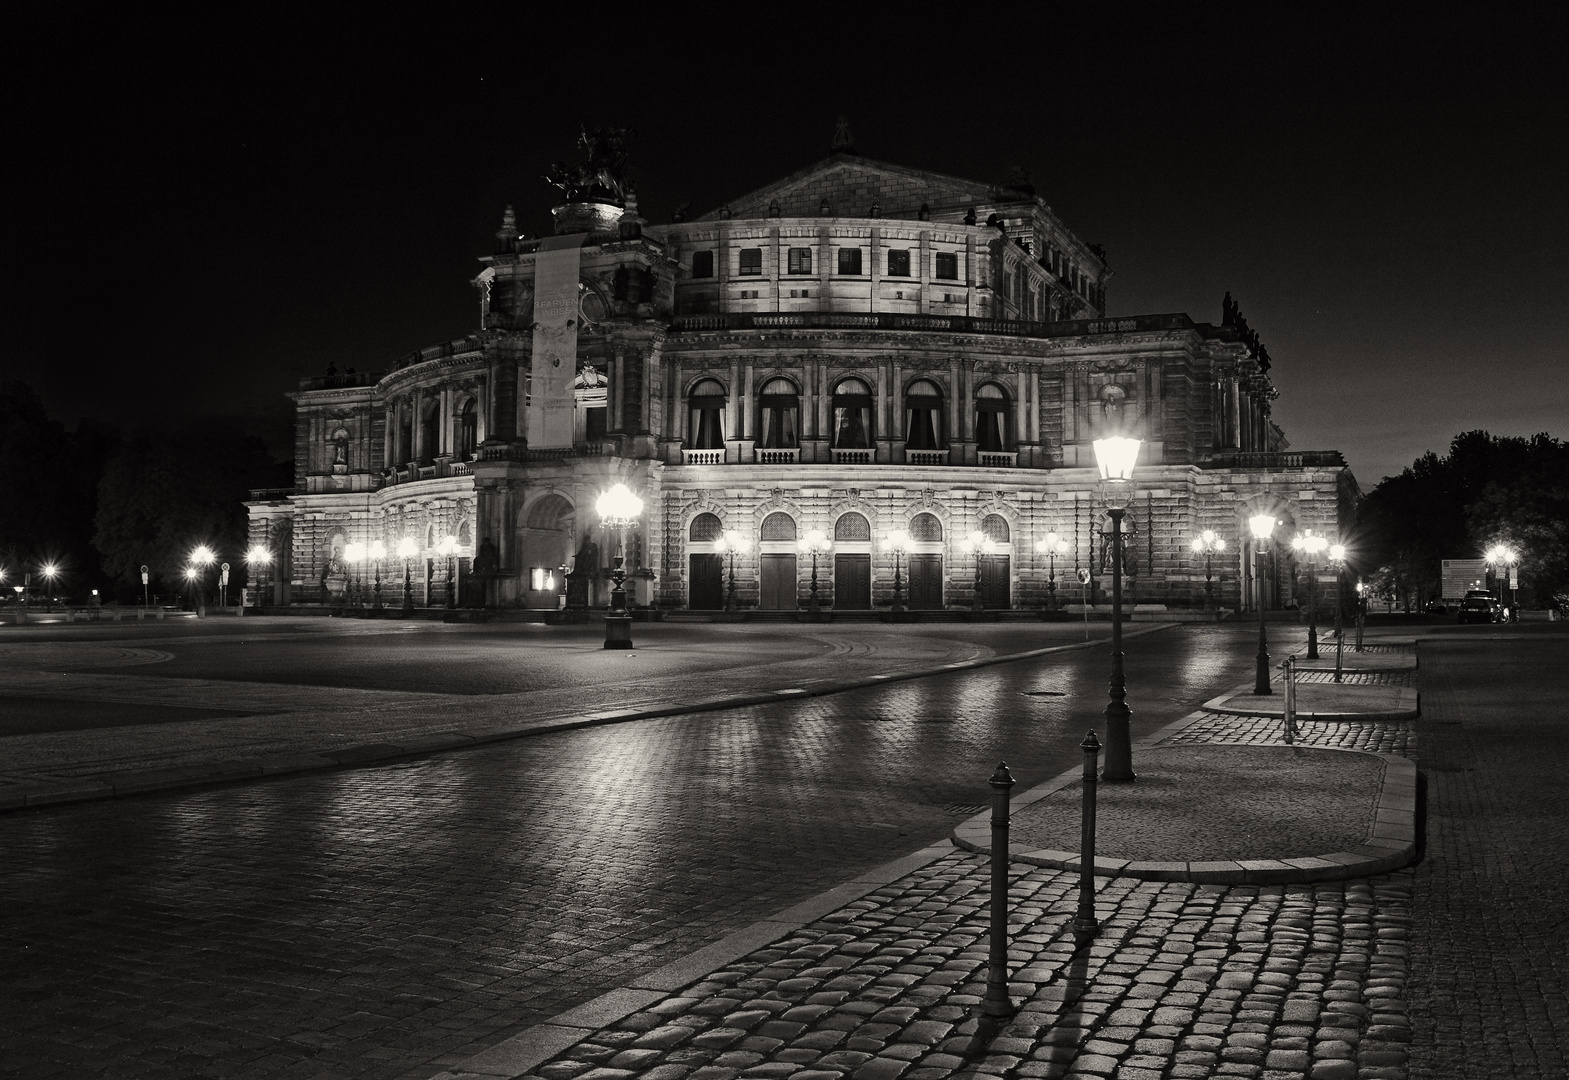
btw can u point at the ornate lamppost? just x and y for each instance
(816, 543)
(1208, 542)
(259, 556)
(728, 544)
(1052, 546)
(899, 543)
(1499, 557)
(1116, 457)
(1261, 526)
(378, 551)
(355, 554)
(1337, 556)
(190, 587)
(407, 549)
(449, 548)
(618, 509)
(976, 544)
(1311, 545)
(201, 559)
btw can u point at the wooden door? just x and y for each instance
(994, 581)
(706, 584)
(778, 583)
(926, 582)
(853, 582)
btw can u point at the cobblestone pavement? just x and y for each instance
(1490, 956)
(1181, 980)
(388, 922)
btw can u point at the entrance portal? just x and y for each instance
(925, 582)
(853, 582)
(778, 583)
(706, 591)
(995, 576)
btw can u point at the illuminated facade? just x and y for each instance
(856, 349)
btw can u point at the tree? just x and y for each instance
(166, 493)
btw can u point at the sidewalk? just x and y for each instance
(1273, 972)
(242, 730)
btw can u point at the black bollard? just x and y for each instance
(997, 1002)
(1085, 922)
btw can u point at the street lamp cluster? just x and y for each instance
(1501, 557)
(619, 510)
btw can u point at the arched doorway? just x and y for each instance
(853, 562)
(705, 566)
(996, 563)
(777, 550)
(546, 544)
(926, 563)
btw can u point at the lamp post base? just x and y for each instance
(618, 632)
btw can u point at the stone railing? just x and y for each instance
(959, 324)
(1280, 459)
(702, 457)
(341, 382)
(778, 456)
(851, 457)
(993, 459)
(925, 457)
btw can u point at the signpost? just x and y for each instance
(223, 586)
(1084, 580)
(1459, 575)
(144, 586)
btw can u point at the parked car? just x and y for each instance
(1436, 607)
(1479, 606)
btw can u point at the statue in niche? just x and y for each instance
(488, 559)
(585, 568)
(1113, 406)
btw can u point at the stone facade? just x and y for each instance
(856, 349)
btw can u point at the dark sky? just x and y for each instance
(197, 215)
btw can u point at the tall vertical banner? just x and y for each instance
(554, 363)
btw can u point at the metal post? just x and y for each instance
(1085, 922)
(730, 604)
(452, 581)
(377, 604)
(1051, 582)
(1209, 584)
(1290, 667)
(1312, 653)
(408, 589)
(816, 604)
(1361, 617)
(1261, 675)
(997, 1002)
(898, 595)
(1119, 745)
(1340, 636)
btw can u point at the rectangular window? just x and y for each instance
(849, 260)
(748, 294)
(751, 261)
(800, 260)
(799, 293)
(948, 265)
(702, 264)
(898, 263)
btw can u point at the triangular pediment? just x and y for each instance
(852, 185)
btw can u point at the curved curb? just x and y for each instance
(1274, 707)
(143, 781)
(1391, 841)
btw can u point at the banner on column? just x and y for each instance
(554, 363)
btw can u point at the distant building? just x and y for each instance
(855, 349)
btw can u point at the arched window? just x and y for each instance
(926, 529)
(852, 404)
(468, 430)
(705, 528)
(923, 416)
(707, 405)
(779, 415)
(429, 432)
(852, 526)
(995, 526)
(405, 446)
(991, 418)
(778, 526)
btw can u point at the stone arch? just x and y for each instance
(547, 541)
(704, 528)
(926, 527)
(997, 528)
(852, 525)
(778, 526)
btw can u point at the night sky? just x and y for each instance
(197, 215)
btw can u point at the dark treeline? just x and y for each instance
(98, 502)
(1488, 490)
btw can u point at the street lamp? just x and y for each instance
(730, 543)
(1261, 526)
(1311, 545)
(201, 558)
(378, 551)
(1116, 457)
(1052, 546)
(1499, 556)
(449, 548)
(618, 509)
(900, 543)
(355, 553)
(259, 556)
(1208, 542)
(1337, 555)
(190, 583)
(816, 543)
(407, 549)
(976, 544)
(49, 571)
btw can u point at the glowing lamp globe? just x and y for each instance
(1261, 525)
(258, 554)
(1116, 457)
(618, 507)
(407, 548)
